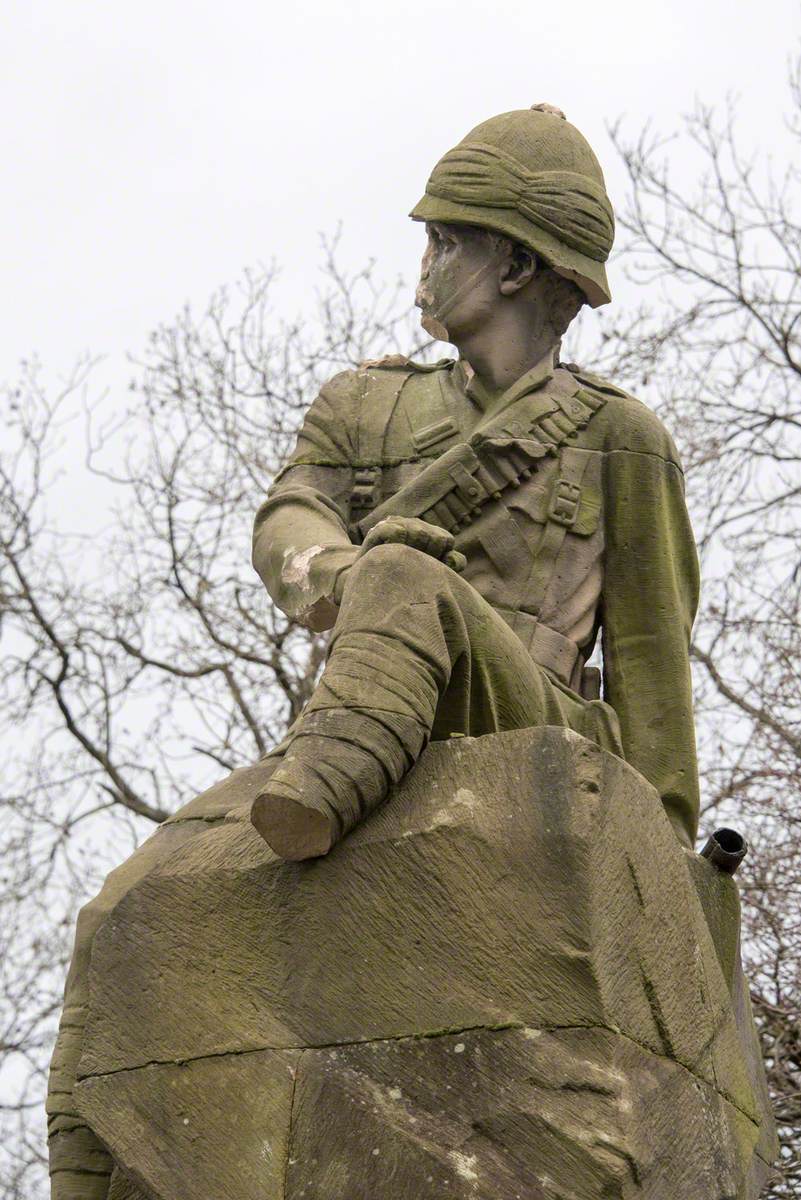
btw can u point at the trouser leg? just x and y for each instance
(416, 653)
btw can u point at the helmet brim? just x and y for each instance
(585, 272)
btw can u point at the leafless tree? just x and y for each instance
(142, 658)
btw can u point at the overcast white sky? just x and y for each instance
(153, 148)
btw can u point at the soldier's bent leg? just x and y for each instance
(415, 653)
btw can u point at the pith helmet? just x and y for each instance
(530, 175)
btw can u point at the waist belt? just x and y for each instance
(550, 649)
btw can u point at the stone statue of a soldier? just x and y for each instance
(468, 530)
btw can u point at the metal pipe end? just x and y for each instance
(725, 849)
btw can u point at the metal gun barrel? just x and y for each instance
(725, 849)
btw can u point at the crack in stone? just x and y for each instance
(401, 1037)
(419, 1037)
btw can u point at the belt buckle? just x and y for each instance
(365, 487)
(565, 500)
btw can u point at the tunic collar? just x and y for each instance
(533, 379)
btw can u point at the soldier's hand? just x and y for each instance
(420, 535)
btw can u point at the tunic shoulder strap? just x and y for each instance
(382, 384)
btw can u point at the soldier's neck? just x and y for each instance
(504, 349)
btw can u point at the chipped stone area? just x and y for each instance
(311, 608)
(297, 566)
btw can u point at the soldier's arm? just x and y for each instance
(649, 602)
(301, 546)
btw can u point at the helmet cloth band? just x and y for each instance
(571, 207)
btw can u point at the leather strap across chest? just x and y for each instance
(562, 512)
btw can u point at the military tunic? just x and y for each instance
(566, 497)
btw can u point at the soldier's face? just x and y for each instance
(458, 284)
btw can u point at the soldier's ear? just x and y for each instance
(517, 270)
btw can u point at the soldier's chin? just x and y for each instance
(434, 327)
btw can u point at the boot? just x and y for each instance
(340, 766)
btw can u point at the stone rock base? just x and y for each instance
(511, 983)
